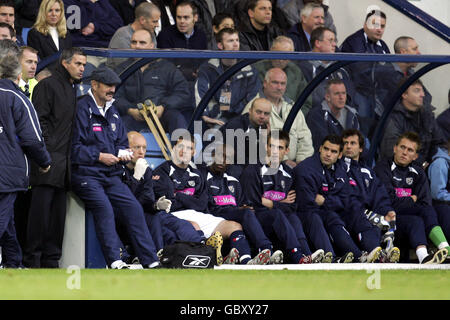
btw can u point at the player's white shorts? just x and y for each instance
(207, 222)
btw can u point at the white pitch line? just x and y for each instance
(336, 266)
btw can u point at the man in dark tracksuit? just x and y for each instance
(20, 138)
(226, 200)
(99, 144)
(54, 99)
(408, 188)
(164, 227)
(268, 188)
(184, 186)
(370, 211)
(320, 185)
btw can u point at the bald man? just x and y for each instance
(274, 89)
(159, 81)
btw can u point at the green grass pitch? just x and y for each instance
(164, 284)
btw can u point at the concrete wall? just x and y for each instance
(349, 16)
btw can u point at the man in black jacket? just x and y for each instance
(257, 32)
(411, 115)
(54, 99)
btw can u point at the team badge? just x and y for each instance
(113, 126)
(282, 184)
(231, 188)
(191, 183)
(367, 182)
(409, 181)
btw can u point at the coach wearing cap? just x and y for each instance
(99, 148)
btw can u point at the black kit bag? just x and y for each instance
(188, 255)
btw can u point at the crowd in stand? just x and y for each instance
(309, 195)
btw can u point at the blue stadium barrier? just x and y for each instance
(94, 258)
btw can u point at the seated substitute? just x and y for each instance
(99, 145)
(321, 188)
(164, 227)
(370, 203)
(226, 200)
(184, 186)
(269, 190)
(407, 185)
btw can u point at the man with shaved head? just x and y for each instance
(159, 81)
(274, 89)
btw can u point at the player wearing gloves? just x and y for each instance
(269, 190)
(184, 185)
(98, 137)
(370, 200)
(407, 186)
(164, 227)
(226, 200)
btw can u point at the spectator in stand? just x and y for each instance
(389, 80)
(147, 17)
(49, 34)
(126, 10)
(7, 15)
(296, 81)
(185, 34)
(324, 40)
(312, 17)
(159, 81)
(28, 59)
(293, 7)
(443, 120)
(26, 13)
(6, 31)
(93, 24)
(219, 22)
(365, 74)
(334, 115)
(257, 33)
(274, 88)
(228, 102)
(410, 115)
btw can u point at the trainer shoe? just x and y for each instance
(276, 257)
(119, 264)
(371, 257)
(159, 254)
(216, 241)
(154, 265)
(436, 258)
(306, 260)
(346, 258)
(232, 257)
(327, 257)
(317, 256)
(393, 255)
(261, 258)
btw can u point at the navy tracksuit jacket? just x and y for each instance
(100, 186)
(184, 187)
(164, 227)
(323, 222)
(401, 183)
(260, 181)
(225, 196)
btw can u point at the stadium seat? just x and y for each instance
(153, 154)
